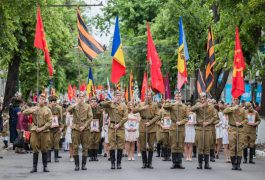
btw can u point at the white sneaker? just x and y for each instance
(129, 159)
(71, 159)
(139, 154)
(132, 159)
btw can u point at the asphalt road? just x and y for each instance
(17, 167)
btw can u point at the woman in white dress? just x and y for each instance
(189, 134)
(219, 131)
(131, 131)
(68, 138)
(225, 139)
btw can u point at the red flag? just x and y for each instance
(74, 90)
(155, 64)
(238, 86)
(144, 86)
(82, 87)
(40, 41)
(70, 92)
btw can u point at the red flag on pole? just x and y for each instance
(238, 86)
(70, 92)
(40, 41)
(144, 86)
(155, 64)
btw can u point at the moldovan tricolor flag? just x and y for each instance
(183, 56)
(40, 41)
(118, 63)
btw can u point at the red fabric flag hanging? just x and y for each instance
(82, 87)
(144, 87)
(157, 82)
(238, 85)
(70, 92)
(40, 41)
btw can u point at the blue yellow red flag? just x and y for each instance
(183, 56)
(118, 63)
(90, 82)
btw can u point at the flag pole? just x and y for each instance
(185, 92)
(38, 72)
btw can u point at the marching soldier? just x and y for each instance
(149, 113)
(206, 115)
(250, 130)
(163, 130)
(118, 114)
(82, 117)
(215, 122)
(179, 117)
(95, 127)
(236, 119)
(42, 118)
(56, 127)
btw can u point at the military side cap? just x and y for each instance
(93, 98)
(119, 93)
(53, 98)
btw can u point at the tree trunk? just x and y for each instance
(262, 104)
(12, 81)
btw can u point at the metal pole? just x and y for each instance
(178, 126)
(203, 128)
(146, 100)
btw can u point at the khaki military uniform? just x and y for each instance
(41, 118)
(204, 114)
(82, 116)
(163, 132)
(236, 114)
(5, 131)
(178, 113)
(55, 133)
(118, 114)
(250, 133)
(151, 115)
(236, 134)
(212, 146)
(94, 136)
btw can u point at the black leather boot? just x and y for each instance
(95, 154)
(179, 161)
(84, 158)
(158, 149)
(168, 154)
(206, 160)
(119, 157)
(90, 155)
(199, 161)
(194, 151)
(56, 155)
(239, 158)
(144, 159)
(35, 162)
(49, 156)
(76, 157)
(150, 159)
(44, 161)
(245, 154)
(251, 154)
(112, 158)
(174, 161)
(233, 161)
(212, 156)
(164, 152)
